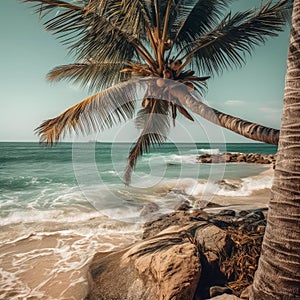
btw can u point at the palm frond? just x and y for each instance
(94, 75)
(179, 13)
(92, 36)
(97, 112)
(193, 18)
(154, 122)
(57, 3)
(88, 34)
(226, 45)
(134, 15)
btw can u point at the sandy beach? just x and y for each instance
(49, 265)
(257, 199)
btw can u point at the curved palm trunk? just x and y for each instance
(245, 128)
(278, 274)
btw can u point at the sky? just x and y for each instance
(28, 52)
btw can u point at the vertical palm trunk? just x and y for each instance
(278, 274)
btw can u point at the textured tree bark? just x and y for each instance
(278, 274)
(245, 128)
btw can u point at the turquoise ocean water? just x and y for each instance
(35, 179)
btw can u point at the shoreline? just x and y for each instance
(257, 199)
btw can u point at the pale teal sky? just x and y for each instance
(28, 52)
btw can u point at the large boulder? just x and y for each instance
(213, 240)
(166, 266)
(160, 222)
(187, 255)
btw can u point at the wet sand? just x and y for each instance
(53, 265)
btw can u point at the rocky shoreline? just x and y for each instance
(252, 158)
(187, 254)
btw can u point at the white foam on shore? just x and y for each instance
(49, 216)
(226, 187)
(230, 188)
(188, 159)
(248, 186)
(31, 267)
(37, 253)
(209, 151)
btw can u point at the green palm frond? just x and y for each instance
(94, 75)
(154, 123)
(97, 112)
(236, 35)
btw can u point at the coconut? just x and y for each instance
(160, 82)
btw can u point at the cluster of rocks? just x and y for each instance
(256, 158)
(191, 255)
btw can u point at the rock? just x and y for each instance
(237, 157)
(211, 238)
(217, 158)
(252, 217)
(241, 158)
(182, 257)
(225, 297)
(247, 292)
(262, 161)
(149, 208)
(222, 221)
(233, 157)
(153, 227)
(228, 157)
(243, 213)
(229, 186)
(227, 212)
(206, 160)
(212, 241)
(164, 267)
(184, 205)
(219, 290)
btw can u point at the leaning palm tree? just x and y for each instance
(148, 44)
(278, 276)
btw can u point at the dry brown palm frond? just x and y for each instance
(242, 263)
(96, 112)
(92, 33)
(154, 124)
(93, 75)
(132, 14)
(184, 112)
(57, 3)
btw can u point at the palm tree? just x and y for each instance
(149, 43)
(278, 275)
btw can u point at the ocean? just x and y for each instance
(61, 205)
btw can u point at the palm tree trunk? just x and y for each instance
(278, 273)
(245, 128)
